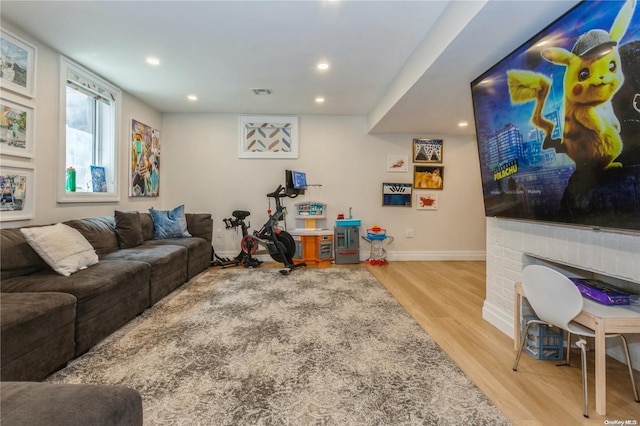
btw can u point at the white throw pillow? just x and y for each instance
(65, 249)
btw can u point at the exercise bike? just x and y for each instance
(279, 244)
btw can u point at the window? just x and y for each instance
(89, 123)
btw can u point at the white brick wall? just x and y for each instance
(511, 242)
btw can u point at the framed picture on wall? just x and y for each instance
(144, 175)
(396, 194)
(427, 150)
(268, 137)
(17, 122)
(397, 163)
(18, 66)
(428, 177)
(426, 201)
(17, 199)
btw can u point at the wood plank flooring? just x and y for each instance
(446, 299)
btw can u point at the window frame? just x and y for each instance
(63, 196)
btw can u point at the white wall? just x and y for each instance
(201, 168)
(45, 161)
(511, 243)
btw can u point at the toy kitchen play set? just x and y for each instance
(318, 245)
(347, 240)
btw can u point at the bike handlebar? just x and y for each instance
(279, 194)
(276, 193)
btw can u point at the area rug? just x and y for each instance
(326, 346)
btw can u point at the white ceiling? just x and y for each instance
(407, 65)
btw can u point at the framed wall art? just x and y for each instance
(17, 199)
(144, 174)
(396, 194)
(426, 201)
(18, 66)
(428, 177)
(268, 137)
(17, 122)
(397, 163)
(427, 150)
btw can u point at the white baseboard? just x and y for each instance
(403, 255)
(433, 255)
(496, 317)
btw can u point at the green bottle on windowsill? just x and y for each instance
(71, 179)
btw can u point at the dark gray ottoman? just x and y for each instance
(37, 332)
(46, 404)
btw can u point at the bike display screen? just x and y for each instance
(299, 179)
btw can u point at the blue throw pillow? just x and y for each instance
(169, 223)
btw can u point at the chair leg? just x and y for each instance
(568, 348)
(582, 344)
(625, 346)
(522, 343)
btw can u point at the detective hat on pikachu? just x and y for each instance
(593, 42)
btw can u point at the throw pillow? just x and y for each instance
(63, 248)
(169, 223)
(129, 229)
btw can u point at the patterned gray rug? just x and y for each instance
(323, 346)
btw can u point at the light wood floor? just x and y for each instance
(446, 299)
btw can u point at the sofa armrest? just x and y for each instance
(17, 258)
(200, 225)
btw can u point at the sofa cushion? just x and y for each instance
(61, 247)
(168, 265)
(37, 334)
(169, 223)
(48, 404)
(199, 252)
(128, 228)
(99, 231)
(200, 225)
(147, 226)
(16, 255)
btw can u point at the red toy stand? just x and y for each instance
(376, 236)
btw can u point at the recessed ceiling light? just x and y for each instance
(323, 66)
(192, 98)
(319, 99)
(153, 61)
(463, 124)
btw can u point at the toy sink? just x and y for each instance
(348, 222)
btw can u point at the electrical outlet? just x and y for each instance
(410, 233)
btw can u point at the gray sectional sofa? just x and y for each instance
(47, 319)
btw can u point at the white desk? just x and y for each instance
(600, 318)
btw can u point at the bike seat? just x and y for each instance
(240, 214)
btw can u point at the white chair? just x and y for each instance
(557, 301)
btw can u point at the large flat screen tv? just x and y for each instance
(558, 122)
